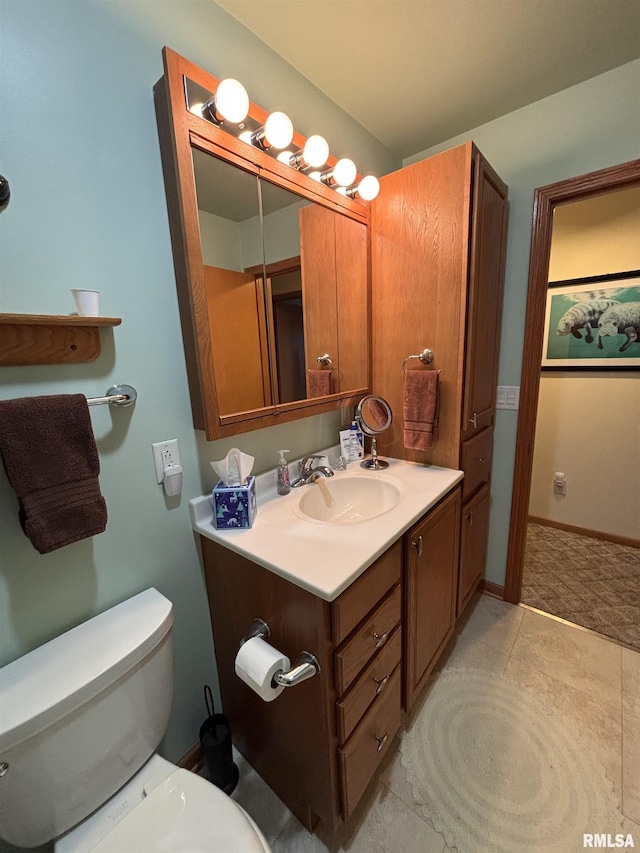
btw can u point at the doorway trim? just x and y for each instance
(546, 199)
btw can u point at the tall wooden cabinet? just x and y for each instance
(438, 231)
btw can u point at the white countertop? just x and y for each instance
(325, 558)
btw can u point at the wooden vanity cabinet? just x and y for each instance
(474, 535)
(439, 229)
(318, 744)
(431, 582)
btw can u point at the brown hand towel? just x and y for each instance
(318, 383)
(51, 460)
(420, 408)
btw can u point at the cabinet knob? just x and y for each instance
(474, 420)
(418, 545)
(481, 459)
(380, 639)
(382, 739)
(381, 682)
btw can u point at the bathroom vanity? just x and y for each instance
(374, 600)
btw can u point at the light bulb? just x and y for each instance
(316, 176)
(232, 101)
(285, 157)
(197, 108)
(344, 172)
(316, 151)
(369, 187)
(245, 136)
(278, 130)
(342, 191)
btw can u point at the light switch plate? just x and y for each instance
(508, 397)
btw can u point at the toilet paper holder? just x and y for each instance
(304, 666)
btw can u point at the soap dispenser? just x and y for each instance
(284, 485)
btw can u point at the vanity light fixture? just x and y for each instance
(230, 102)
(343, 173)
(367, 189)
(314, 154)
(277, 131)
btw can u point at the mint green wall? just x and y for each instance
(78, 143)
(587, 127)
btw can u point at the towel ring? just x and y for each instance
(426, 357)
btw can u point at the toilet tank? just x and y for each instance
(80, 715)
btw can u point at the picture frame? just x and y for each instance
(593, 323)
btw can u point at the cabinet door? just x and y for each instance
(431, 565)
(474, 533)
(486, 284)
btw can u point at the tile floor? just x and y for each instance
(589, 678)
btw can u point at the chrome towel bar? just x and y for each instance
(117, 395)
(426, 357)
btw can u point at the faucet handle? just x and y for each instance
(307, 462)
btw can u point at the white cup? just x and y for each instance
(87, 302)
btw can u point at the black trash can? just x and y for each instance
(215, 740)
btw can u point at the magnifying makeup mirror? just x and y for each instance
(374, 417)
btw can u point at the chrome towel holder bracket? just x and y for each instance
(426, 357)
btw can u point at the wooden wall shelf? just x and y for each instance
(49, 339)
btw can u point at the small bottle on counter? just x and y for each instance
(284, 484)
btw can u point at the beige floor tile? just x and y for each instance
(631, 682)
(492, 622)
(578, 658)
(631, 767)
(259, 801)
(388, 826)
(596, 723)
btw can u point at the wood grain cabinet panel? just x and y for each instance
(365, 593)
(439, 226)
(477, 455)
(369, 743)
(431, 576)
(369, 686)
(370, 636)
(474, 535)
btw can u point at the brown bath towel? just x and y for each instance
(420, 408)
(318, 383)
(51, 460)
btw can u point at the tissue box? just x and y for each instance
(234, 507)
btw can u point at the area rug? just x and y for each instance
(497, 771)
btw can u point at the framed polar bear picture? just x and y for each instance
(593, 323)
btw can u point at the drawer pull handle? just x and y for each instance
(418, 545)
(469, 517)
(381, 740)
(381, 682)
(380, 639)
(474, 420)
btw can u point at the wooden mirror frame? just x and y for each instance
(179, 130)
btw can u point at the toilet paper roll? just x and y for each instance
(256, 664)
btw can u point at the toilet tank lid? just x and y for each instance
(42, 686)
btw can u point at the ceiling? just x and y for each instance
(418, 72)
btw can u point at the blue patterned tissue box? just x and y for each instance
(234, 507)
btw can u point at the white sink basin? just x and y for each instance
(346, 499)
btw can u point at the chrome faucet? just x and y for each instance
(308, 473)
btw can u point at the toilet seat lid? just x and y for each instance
(184, 814)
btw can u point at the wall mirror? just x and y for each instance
(271, 269)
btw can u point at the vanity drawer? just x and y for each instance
(367, 746)
(371, 635)
(476, 461)
(369, 687)
(356, 601)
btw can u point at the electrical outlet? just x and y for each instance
(165, 453)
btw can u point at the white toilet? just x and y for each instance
(80, 718)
